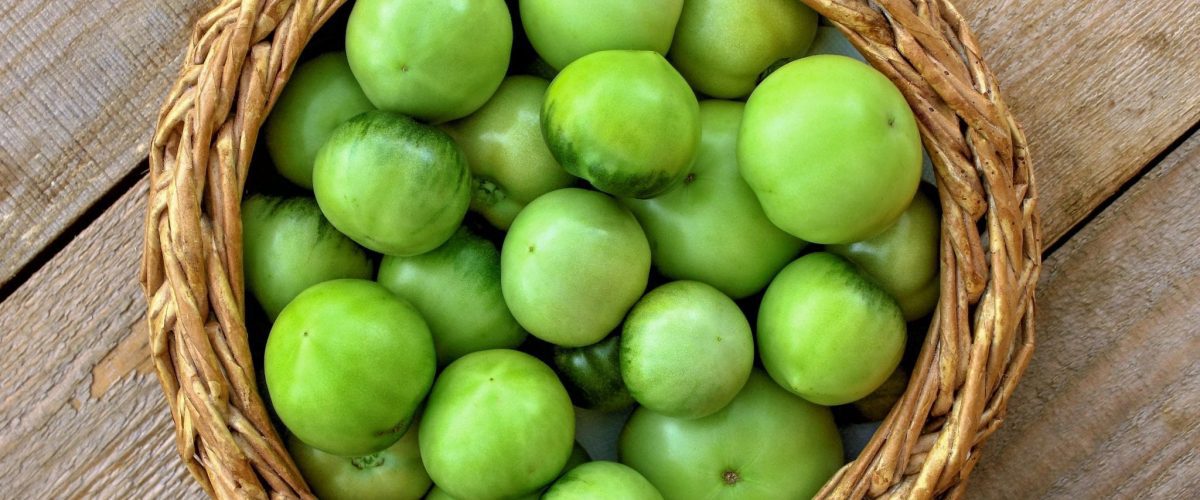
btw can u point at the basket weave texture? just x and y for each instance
(978, 345)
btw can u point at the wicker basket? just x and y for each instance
(241, 54)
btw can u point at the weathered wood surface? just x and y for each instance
(1110, 407)
(80, 85)
(1101, 87)
(73, 423)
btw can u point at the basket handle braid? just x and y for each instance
(982, 334)
(239, 57)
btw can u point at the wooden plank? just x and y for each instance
(1102, 87)
(80, 86)
(1109, 406)
(72, 423)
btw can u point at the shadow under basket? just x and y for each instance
(978, 344)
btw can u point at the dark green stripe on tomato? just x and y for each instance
(592, 375)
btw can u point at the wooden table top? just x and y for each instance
(1108, 92)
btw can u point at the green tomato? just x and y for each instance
(826, 332)
(831, 148)
(766, 444)
(562, 31)
(509, 160)
(391, 184)
(289, 246)
(723, 47)
(602, 481)
(922, 302)
(572, 265)
(711, 227)
(686, 350)
(903, 259)
(623, 120)
(432, 59)
(395, 473)
(438, 494)
(320, 95)
(457, 289)
(830, 40)
(498, 424)
(876, 405)
(578, 456)
(592, 375)
(346, 365)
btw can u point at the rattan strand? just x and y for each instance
(240, 56)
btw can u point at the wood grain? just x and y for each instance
(1109, 407)
(1101, 88)
(80, 86)
(66, 330)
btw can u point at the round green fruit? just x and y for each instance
(320, 95)
(498, 424)
(623, 120)
(456, 287)
(396, 473)
(578, 456)
(831, 149)
(562, 31)
(288, 246)
(592, 375)
(710, 227)
(572, 265)
(391, 184)
(686, 350)
(903, 259)
(510, 163)
(766, 444)
(722, 48)
(826, 332)
(602, 480)
(432, 59)
(346, 365)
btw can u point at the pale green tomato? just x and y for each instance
(578, 456)
(722, 48)
(395, 473)
(391, 184)
(498, 424)
(623, 120)
(826, 333)
(875, 406)
(831, 148)
(288, 246)
(710, 227)
(830, 40)
(686, 350)
(346, 365)
(456, 287)
(432, 59)
(510, 163)
(320, 95)
(572, 265)
(766, 444)
(903, 259)
(602, 480)
(562, 31)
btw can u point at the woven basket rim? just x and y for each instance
(978, 345)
